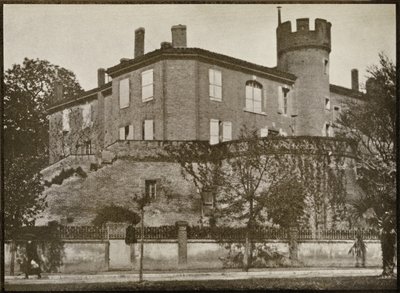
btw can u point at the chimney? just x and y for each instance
(165, 45)
(178, 36)
(279, 15)
(354, 80)
(139, 42)
(101, 77)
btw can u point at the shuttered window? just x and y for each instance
(226, 131)
(148, 129)
(214, 131)
(215, 80)
(86, 116)
(264, 132)
(124, 93)
(254, 97)
(126, 132)
(147, 85)
(65, 120)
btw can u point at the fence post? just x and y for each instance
(12, 263)
(182, 243)
(293, 247)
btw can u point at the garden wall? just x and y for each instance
(95, 256)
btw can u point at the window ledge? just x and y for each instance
(259, 113)
(148, 99)
(215, 99)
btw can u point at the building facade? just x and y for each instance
(178, 93)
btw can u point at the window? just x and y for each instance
(208, 203)
(283, 100)
(226, 131)
(254, 99)
(327, 104)
(326, 66)
(88, 147)
(147, 85)
(126, 132)
(65, 120)
(124, 93)
(282, 132)
(151, 188)
(86, 116)
(336, 112)
(327, 130)
(214, 131)
(264, 132)
(148, 130)
(215, 79)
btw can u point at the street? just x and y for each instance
(338, 283)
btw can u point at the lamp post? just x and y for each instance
(141, 244)
(142, 201)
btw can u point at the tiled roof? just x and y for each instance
(85, 96)
(345, 91)
(202, 54)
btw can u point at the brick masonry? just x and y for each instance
(181, 110)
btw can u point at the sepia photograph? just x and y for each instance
(151, 147)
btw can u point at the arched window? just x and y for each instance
(254, 97)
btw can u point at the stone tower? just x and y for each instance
(305, 53)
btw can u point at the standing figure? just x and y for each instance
(32, 260)
(359, 249)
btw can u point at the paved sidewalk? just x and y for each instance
(105, 277)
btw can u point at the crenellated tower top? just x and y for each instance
(303, 37)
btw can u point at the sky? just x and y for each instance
(83, 38)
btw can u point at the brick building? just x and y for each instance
(178, 93)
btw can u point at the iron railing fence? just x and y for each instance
(118, 230)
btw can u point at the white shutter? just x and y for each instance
(65, 120)
(147, 85)
(124, 93)
(264, 131)
(130, 133)
(264, 102)
(211, 76)
(215, 84)
(249, 98)
(218, 92)
(86, 116)
(214, 131)
(257, 100)
(148, 130)
(122, 133)
(292, 100)
(217, 77)
(280, 100)
(226, 131)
